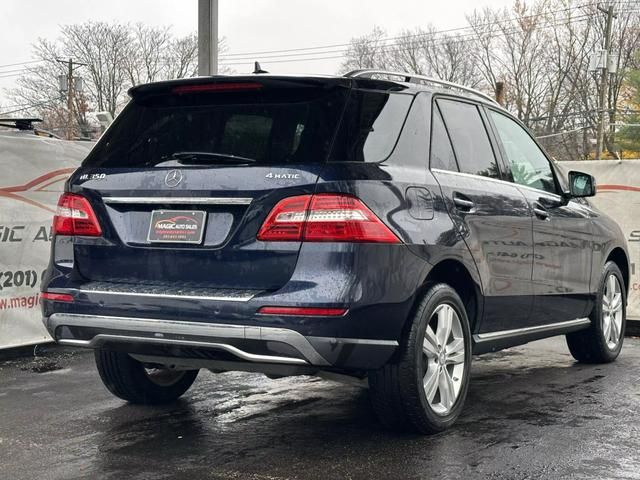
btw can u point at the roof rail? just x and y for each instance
(419, 79)
(19, 123)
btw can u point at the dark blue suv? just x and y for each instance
(377, 224)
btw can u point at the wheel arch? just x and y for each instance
(455, 274)
(621, 259)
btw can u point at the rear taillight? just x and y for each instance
(75, 217)
(325, 217)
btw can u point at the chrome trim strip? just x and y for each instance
(179, 200)
(251, 357)
(172, 327)
(355, 341)
(485, 337)
(243, 298)
(498, 180)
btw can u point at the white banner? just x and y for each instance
(34, 170)
(619, 197)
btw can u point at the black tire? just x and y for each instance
(129, 380)
(398, 396)
(590, 345)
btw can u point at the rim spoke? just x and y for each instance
(455, 352)
(612, 311)
(430, 343)
(616, 302)
(614, 333)
(446, 389)
(606, 327)
(430, 383)
(445, 317)
(611, 287)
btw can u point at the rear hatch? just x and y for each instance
(184, 178)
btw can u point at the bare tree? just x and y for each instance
(367, 51)
(115, 57)
(539, 49)
(103, 47)
(145, 60)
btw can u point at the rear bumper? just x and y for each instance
(238, 343)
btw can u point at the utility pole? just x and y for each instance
(207, 37)
(604, 82)
(70, 84)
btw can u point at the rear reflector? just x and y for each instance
(325, 217)
(75, 217)
(215, 87)
(57, 297)
(303, 311)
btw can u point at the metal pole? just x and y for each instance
(604, 83)
(207, 37)
(70, 101)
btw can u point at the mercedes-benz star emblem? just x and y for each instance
(173, 178)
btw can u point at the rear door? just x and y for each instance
(186, 175)
(562, 230)
(491, 215)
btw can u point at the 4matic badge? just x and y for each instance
(285, 176)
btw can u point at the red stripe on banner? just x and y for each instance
(20, 198)
(37, 181)
(625, 188)
(41, 188)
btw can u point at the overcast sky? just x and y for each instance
(248, 25)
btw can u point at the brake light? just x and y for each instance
(325, 217)
(215, 87)
(57, 297)
(303, 311)
(285, 223)
(75, 217)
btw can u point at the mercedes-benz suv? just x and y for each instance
(378, 225)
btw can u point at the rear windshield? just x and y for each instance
(270, 126)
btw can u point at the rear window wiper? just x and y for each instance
(197, 158)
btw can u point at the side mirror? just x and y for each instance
(581, 185)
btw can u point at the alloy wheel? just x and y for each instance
(444, 353)
(612, 312)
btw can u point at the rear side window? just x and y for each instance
(442, 155)
(469, 137)
(371, 126)
(268, 126)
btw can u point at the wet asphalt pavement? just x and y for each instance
(531, 413)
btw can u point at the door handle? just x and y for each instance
(540, 211)
(463, 203)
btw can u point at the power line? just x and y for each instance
(472, 36)
(564, 133)
(28, 107)
(21, 63)
(460, 39)
(454, 40)
(469, 27)
(14, 74)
